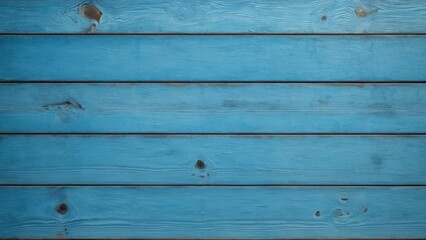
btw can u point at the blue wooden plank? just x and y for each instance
(235, 160)
(213, 58)
(213, 212)
(265, 16)
(213, 108)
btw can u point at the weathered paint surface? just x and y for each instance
(218, 16)
(209, 159)
(213, 58)
(213, 212)
(190, 119)
(213, 108)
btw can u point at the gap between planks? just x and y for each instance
(216, 34)
(222, 185)
(145, 134)
(222, 238)
(212, 82)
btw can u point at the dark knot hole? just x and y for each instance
(62, 208)
(318, 214)
(200, 164)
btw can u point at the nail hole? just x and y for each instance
(200, 164)
(365, 210)
(344, 199)
(62, 208)
(323, 18)
(317, 213)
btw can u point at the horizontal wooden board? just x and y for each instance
(264, 16)
(213, 58)
(212, 212)
(212, 108)
(234, 160)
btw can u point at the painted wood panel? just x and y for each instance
(213, 212)
(213, 108)
(130, 148)
(235, 160)
(213, 58)
(217, 16)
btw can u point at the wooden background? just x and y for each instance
(242, 119)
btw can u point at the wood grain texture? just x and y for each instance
(213, 212)
(235, 160)
(213, 58)
(195, 16)
(213, 108)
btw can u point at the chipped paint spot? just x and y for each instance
(91, 12)
(361, 12)
(92, 28)
(70, 103)
(340, 215)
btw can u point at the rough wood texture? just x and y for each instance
(288, 16)
(213, 108)
(89, 159)
(213, 212)
(134, 145)
(213, 58)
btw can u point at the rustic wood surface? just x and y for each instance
(214, 16)
(213, 58)
(213, 212)
(212, 159)
(213, 108)
(191, 119)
